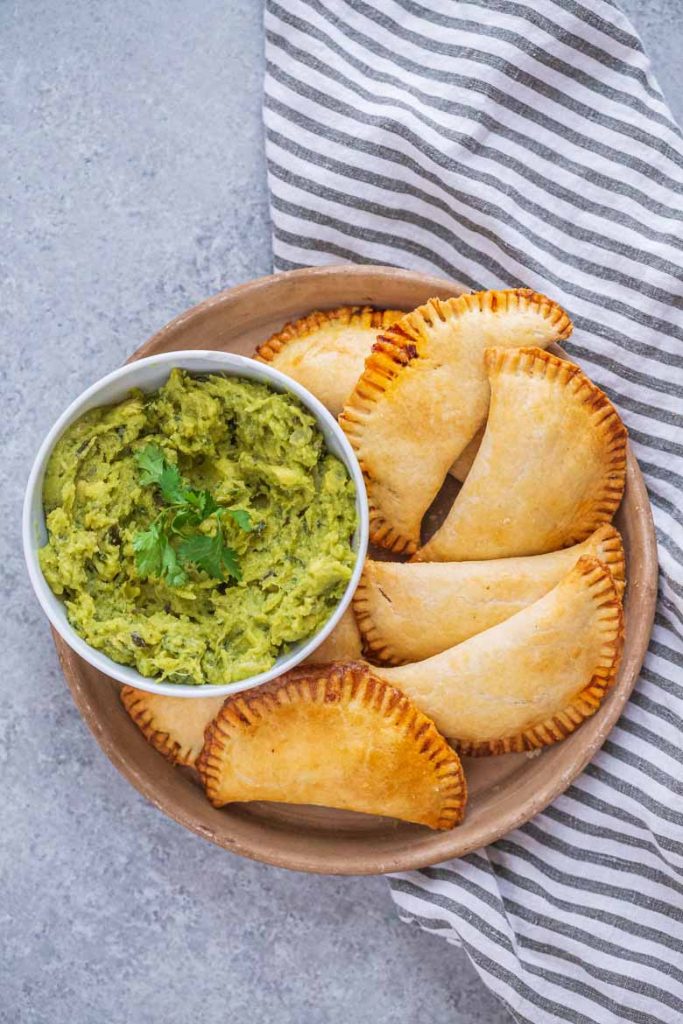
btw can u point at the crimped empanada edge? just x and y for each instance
(340, 682)
(538, 362)
(612, 555)
(396, 349)
(351, 316)
(374, 645)
(136, 708)
(563, 723)
(379, 648)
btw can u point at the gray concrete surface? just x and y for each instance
(133, 186)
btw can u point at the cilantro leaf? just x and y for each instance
(209, 504)
(232, 566)
(188, 507)
(155, 556)
(211, 554)
(148, 547)
(241, 517)
(184, 517)
(171, 570)
(202, 502)
(156, 469)
(205, 552)
(151, 461)
(171, 485)
(197, 506)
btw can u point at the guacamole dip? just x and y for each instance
(197, 532)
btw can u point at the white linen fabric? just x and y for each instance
(503, 143)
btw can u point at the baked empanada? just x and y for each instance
(551, 467)
(410, 611)
(338, 737)
(424, 394)
(325, 351)
(174, 725)
(530, 680)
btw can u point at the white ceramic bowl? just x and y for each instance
(148, 375)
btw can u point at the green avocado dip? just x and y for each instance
(197, 532)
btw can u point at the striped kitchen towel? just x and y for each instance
(502, 143)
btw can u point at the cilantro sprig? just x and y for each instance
(186, 508)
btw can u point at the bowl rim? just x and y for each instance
(232, 365)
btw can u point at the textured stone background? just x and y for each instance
(133, 186)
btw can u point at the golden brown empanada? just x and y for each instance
(335, 736)
(410, 611)
(174, 725)
(424, 394)
(530, 680)
(325, 351)
(551, 467)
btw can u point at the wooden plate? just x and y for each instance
(504, 791)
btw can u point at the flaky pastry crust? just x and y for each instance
(531, 680)
(424, 393)
(409, 611)
(325, 351)
(173, 725)
(551, 467)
